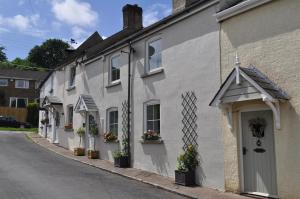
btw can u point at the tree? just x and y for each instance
(23, 62)
(2, 54)
(49, 54)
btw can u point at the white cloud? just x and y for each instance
(74, 12)
(24, 24)
(78, 32)
(155, 13)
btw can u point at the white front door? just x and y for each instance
(258, 153)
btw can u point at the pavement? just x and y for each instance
(155, 180)
(29, 171)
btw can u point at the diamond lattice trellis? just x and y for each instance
(124, 122)
(189, 119)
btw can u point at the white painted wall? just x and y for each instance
(191, 63)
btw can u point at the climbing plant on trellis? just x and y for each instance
(124, 122)
(189, 120)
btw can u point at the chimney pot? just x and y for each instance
(132, 16)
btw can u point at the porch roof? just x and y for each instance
(85, 103)
(51, 100)
(252, 84)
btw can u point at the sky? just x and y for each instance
(26, 23)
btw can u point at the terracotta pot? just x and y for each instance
(93, 154)
(79, 151)
(185, 178)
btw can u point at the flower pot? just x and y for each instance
(122, 162)
(79, 151)
(93, 154)
(185, 178)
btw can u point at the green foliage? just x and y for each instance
(33, 114)
(49, 54)
(188, 160)
(94, 131)
(2, 54)
(22, 62)
(80, 131)
(119, 154)
(8, 65)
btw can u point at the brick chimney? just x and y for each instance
(132, 16)
(179, 5)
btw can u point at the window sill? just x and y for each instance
(160, 141)
(153, 72)
(111, 142)
(70, 88)
(112, 84)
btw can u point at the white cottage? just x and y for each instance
(163, 73)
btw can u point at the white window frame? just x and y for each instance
(4, 80)
(147, 63)
(71, 84)
(112, 109)
(68, 114)
(26, 85)
(146, 104)
(16, 98)
(110, 69)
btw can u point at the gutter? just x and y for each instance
(239, 8)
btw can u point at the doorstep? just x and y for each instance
(153, 179)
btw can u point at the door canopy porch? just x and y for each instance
(51, 102)
(248, 83)
(85, 103)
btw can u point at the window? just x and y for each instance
(57, 119)
(70, 115)
(15, 102)
(115, 68)
(153, 54)
(72, 77)
(152, 116)
(21, 83)
(112, 123)
(3, 82)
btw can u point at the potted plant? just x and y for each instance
(80, 151)
(45, 121)
(121, 159)
(186, 165)
(151, 135)
(69, 127)
(92, 153)
(110, 137)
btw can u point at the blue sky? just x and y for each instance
(26, 23)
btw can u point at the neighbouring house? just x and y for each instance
(174, 71)
(260, 95)
(19, 87)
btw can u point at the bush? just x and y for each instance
(33, 114)
(188, 160)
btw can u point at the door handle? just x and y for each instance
(245, 150)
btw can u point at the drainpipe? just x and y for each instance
(131, 50)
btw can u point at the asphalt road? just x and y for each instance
(28, 171)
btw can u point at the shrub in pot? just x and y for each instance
(121, 158)
(93, 153)
(80, 151)
(186, 165)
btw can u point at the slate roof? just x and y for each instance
(225, 4)
(88, 101)
(23, 74)
(52, 100)
(264, 82)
